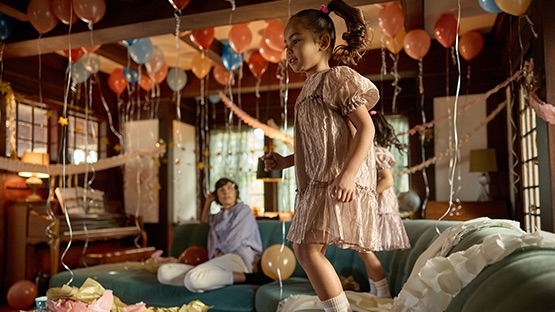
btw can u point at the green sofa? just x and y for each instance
(524, 278)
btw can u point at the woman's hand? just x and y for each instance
(343, 188)
(210, 197)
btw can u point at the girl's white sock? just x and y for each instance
(337, 304)
(373, 289)
(383, 288)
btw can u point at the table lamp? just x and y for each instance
(268, 176)
(484, 161)
(34, 181)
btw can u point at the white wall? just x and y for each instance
(183, 174)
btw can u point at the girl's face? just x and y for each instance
(227, 195)
(305, 53)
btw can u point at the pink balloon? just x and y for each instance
(445, 30)
(471, 44)
(22, 294)
(273, 35)
(268, 53)
(417, 43)
(90, 11)
(391, 19)
(240, 37)
(63, 11)
(41, 15)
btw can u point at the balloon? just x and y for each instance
(129, 42)
(90, 11)
(176, 79)
(130, 75)
(74, 53)
(22, 294)
(91, 62)
(395, 45)
(194, 255)
(278, 263)
(200, 65)
(79, 73)
(145, 82)
(91, 49)
(273, 35)
(6, 26)
(231, 59)
(221, 75)
(64, 12)
(240, 37)
(489, 6)
(41, 15)
(179, 4)
(257, 64)
(268, 53)
(384, 5)
(141, 50)
(513, 7)
(445, 30)
(160, 75)
(409, 201)
(417, 43)
(203, 37)
(471, 44)
(117, 81)
(391, 19)
(156, 61)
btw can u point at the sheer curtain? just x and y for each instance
(401, 124)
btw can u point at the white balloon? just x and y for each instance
(156, 61)
(91, 62)
(176, 79)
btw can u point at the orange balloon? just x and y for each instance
(203, 37)
(160, 75)
(417, 43)
(221, 75)
(117, 81)
(75, 54)
(278, 262)
(240, 37)
(200, 65)
(194, 255)
(445, 30)
(22, 294)
(90, 11)
(63, 11)
(471, 44)
(257, 64)
(391, 19)
(513, 7)
(145, 82)
(41, 15)
(395, 45)
(268, 53)
(273, 35)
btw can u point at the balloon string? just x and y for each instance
(423, 134)
(2, 46)
(396, 78)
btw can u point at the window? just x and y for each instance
(82, 142)
(400, 124)
(31, 128)
(287, 188)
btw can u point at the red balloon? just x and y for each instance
(194, 255)
(445, 30)
(417, 43)
(257, 64)
(179, 4)
(268, 53)
(471, 44)
(391, 19)
(160, 75)
(221, 75)
(90, 11)
(62, 9)
(41, 15)
(22, 294)
(203, 37)
(74, 53)
(273, 35)
(240, 37)
(145, 82)
(117, 81)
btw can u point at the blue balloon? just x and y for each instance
(141, 51)
(231, 59)
(130, 75)
(79, 72)
(176, 79)
(129, 42)
(489, 6)
(6, 26)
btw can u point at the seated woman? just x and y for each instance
(234, 246)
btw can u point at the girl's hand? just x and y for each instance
(343, 188)
(273, 161)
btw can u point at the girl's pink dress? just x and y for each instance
(323, 137)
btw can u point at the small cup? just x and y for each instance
(40, 302)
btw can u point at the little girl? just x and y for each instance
(335, 167)
(392, 233)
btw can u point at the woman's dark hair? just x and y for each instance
(385, 134)
(220, 183)
(320, 23)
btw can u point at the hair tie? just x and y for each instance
(324, 9)
(373, 112)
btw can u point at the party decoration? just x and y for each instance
(395, 45)
(64, 12)
(141, 50)
(268, 53)
(194, 255)
(513, 7)
(417, 43)
(278, 262)
(203, 37)
(257, 64)
(91, 62)
(145, 82)
(79, 73)
(6, 26)
(90, 11)
(176, 79)
(156, 60)
(130, 75)
(41, 15)
(200, 65)
(240, 37)
(160, 75)
(117, 81)
(231, 59)
(22, 294)
(221, 75)
(74, 54)
(91, 49)
(391, 19)
(384, 5)
(445, 30)
(471, 44)
(273, 35)
(489, 6)
(129, 42)
(179, 4)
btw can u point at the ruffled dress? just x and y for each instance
(323, 137)
(392, 233)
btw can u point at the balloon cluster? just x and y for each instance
(45, 14)
(513, 7)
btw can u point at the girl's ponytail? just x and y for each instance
(356, 35)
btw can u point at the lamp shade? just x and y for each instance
(268, 176)
(35, 159)
(483, 160)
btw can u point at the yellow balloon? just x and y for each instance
(278, 262)
(513, 7)
(395, 45)
(200, 65)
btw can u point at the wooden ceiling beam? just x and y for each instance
(13, 12)
(118, 54)
(414, 14)
(214, 52)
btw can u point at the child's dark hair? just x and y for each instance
(220, 183)
(385, 134)
(319, 22)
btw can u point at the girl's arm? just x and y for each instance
(343, 188)
(385, 180)
(206, 209)
(274, 161)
